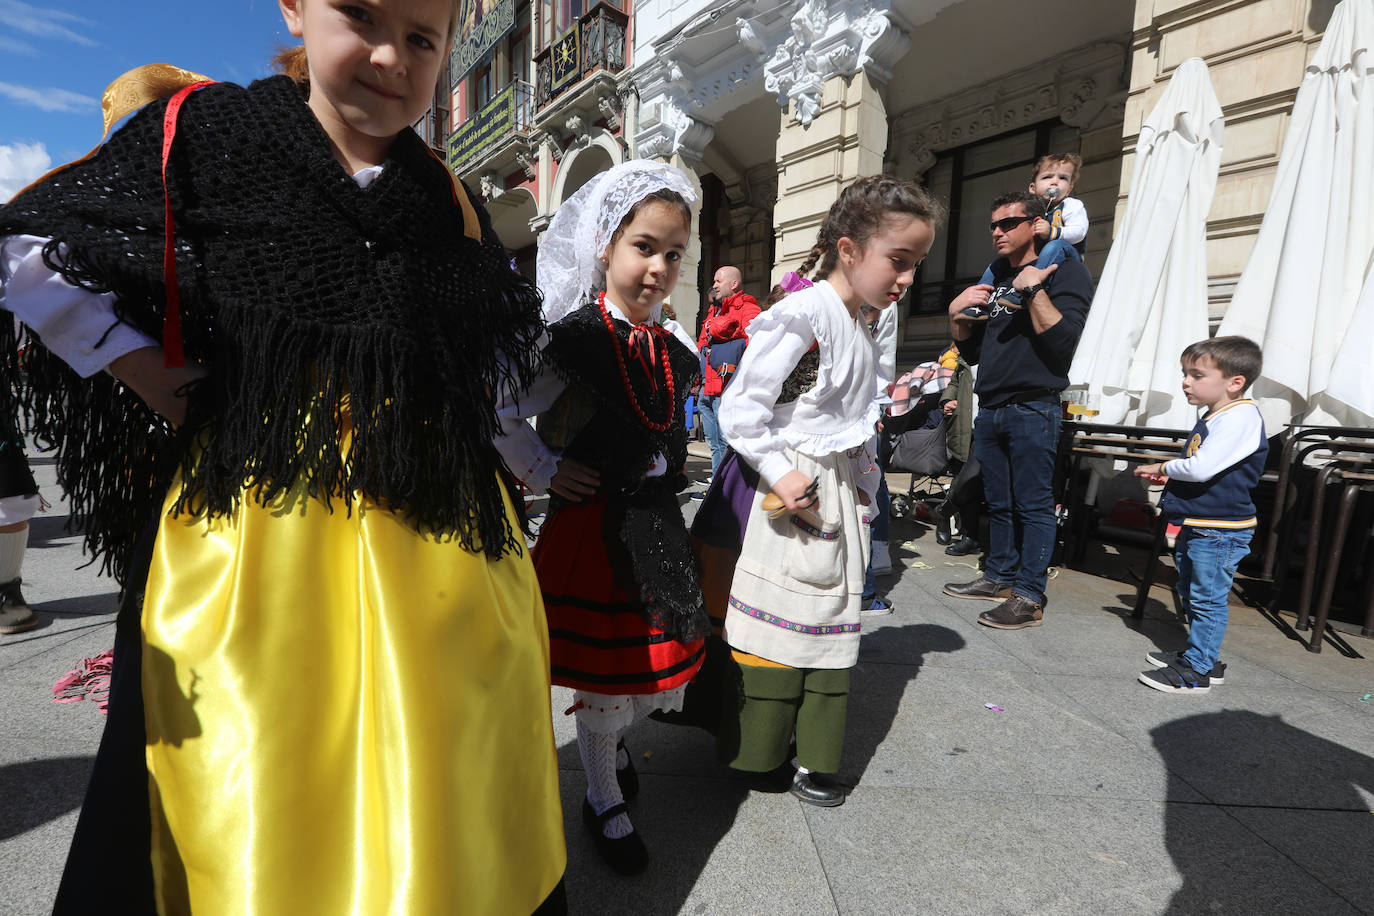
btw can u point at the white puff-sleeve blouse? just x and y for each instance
(837, 414)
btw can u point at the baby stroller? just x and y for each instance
(914, 432)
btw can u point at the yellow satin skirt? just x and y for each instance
(345, 716)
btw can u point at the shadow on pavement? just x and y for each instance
(682, 816)
(37, 791)
(1280, 804)
(44, 529)
(889, 658)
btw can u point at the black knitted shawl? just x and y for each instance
(642, 514)
(318, 307)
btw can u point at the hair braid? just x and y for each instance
(858, 213)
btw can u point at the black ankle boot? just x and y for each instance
(963, 547)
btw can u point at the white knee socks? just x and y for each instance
(12, 544)
(598, 752)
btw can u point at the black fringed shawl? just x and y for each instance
(317, 306)
(642, 514)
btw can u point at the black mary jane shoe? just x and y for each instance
(817, 789)
(628, 777)
(626, 854)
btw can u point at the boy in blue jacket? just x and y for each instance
(1208, 492)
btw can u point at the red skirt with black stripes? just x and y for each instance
(599, 640)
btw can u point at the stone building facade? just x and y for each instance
(772, 108)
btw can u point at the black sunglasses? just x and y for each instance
(1009, 223)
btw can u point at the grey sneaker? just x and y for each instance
(1172, 659)
(1180, 679)
(15, 614)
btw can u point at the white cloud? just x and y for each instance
(43, 23)
(48, 99)
(14, 46)
(20, 164)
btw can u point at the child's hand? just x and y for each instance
(1041, 228)
(794, 489)
(978, 294)
(950, 407)
(162, 389)
(574, 480)
(1154, 473)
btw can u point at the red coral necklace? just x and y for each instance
(642, 337)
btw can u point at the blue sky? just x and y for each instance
(57, 58)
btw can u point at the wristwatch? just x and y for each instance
(1028, 293)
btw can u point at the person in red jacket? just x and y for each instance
(721, 342)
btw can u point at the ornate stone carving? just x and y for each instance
(1070, 87)
(576, 126)
(750, 39)
(548, 139)
(831, 39)
(526, 163)
(492, 186)
(608, 110)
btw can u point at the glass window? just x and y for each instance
(481, 87)
(546, 34)
(519, 56)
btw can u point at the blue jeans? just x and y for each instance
(1054, 252)
(708, 406)
(1207, 559)
(878, 532)
(1016, 447)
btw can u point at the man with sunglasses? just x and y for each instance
(1023, 352)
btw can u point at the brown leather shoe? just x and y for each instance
(979, 588)
(1013, 614)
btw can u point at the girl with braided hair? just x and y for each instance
(330, 691)
(788, 505)
(626, 621)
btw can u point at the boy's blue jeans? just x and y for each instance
(1054, 252)
(1016, 447)
(1207, 559)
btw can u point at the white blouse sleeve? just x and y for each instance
(69, 320)
(529, 459)
(777, 340)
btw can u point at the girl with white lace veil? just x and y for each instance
(626, 621)
(781, 529)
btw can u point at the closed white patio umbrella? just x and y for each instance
(1298, 294)
(1151, 301)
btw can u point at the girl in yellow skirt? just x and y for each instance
(331, 673)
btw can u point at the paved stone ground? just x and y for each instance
(1087, 793)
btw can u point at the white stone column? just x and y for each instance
(687, 297)
(845, 139)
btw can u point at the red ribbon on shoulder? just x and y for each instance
(174, 353)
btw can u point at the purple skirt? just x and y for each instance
(724, 512)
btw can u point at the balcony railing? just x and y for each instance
(597, 42)
(508, 116)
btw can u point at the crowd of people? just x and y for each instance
(287, 368)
